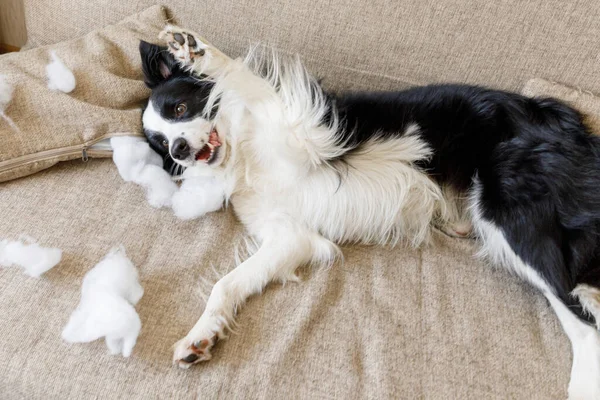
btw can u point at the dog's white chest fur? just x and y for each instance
(342, 200)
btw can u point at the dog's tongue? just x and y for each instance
(203, 154)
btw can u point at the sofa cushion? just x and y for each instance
(55, 126)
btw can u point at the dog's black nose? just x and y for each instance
(180, 149)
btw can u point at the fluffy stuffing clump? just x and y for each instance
(59, 75)
(108, 295)
(6, 92)
(198, 196)
(33, 258)
(138, 163)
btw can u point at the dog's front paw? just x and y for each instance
(193, 52)
(184, 45)
(192, 351)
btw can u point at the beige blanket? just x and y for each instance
(386, 323)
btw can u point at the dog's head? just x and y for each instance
(176, 123)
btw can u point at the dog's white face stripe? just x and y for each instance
(195, 131)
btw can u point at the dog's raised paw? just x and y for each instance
(189, 352)
(184, 45)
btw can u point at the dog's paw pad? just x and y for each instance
(189, 352)
(179, 38)
(185, 46)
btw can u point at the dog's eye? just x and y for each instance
(180, 109)
(165, 143)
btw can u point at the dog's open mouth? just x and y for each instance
(210, 149)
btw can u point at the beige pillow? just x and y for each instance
(586, 102)
(54, 126)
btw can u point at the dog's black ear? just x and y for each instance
(157, 63)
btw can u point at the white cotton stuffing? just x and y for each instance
(6, 92)
(59, 75)
(109, 293)
(32, 257)
(138, 163)
(198, 196)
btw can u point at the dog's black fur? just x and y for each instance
(536, 161)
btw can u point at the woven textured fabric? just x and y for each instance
(386, 323)
(378, 44)
(105, 102)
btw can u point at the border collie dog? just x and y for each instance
(306, 170)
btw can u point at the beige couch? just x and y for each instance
(387, 323)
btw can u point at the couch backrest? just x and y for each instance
(378, 44)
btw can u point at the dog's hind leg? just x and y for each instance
(284, 247)
(585, 342)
